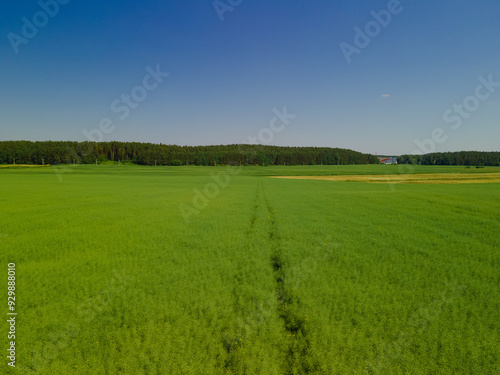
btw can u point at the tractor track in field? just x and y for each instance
(298, 353)
(232, 340)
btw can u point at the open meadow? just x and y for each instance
(218, 270)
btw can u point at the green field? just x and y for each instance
(198, 270)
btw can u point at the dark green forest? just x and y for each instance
(453, 158)
(26, 152)
(59, 152)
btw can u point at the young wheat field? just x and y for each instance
(216, 270)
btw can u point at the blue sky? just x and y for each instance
(228, 77)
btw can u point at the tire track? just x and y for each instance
(249, 315)
(298, 355)
(263, 236)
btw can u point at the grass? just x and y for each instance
(273, 276)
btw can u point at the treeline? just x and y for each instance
(453, 158)
(26, 152)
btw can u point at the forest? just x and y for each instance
(67, 152)
(51, 152)
(473, 158)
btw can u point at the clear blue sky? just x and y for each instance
(227, 76)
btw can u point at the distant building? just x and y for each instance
(390, 160)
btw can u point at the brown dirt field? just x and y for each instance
(431, 178)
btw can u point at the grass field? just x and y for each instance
(203, 270)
